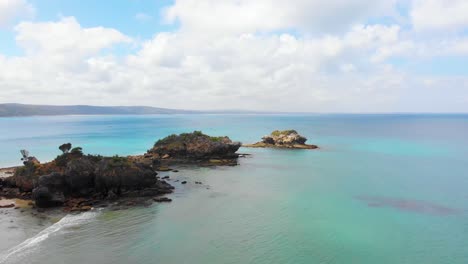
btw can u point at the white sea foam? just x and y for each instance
(65, 222)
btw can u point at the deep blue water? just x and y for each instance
(381, 189)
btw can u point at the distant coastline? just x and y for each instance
(23, 110)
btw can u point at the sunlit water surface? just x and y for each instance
(382, 189)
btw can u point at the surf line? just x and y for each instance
(67, 221)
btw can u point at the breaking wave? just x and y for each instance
(65, 222)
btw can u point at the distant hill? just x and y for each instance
(7, 110)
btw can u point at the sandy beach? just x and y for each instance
(7, 172)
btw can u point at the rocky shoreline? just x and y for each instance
(77, 182)
(286, 139)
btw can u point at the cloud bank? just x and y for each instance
(314, 56)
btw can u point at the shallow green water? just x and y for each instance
(382, 189)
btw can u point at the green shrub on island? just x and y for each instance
(186, 137)
(278, 133)
(117, 161)
(283, 139)
(195, 146)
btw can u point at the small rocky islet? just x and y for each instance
(287, 139)
(79, 182)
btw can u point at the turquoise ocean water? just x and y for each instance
(382, 189)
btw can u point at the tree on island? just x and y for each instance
(77, 151)
(27, 159)
(25, 155)
(65, 148)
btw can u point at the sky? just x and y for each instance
(353, 56)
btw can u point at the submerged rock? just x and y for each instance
(162, 199)
(283, 139)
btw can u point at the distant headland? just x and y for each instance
(16, 110)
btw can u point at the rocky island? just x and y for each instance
(78, 182)
(194, 147)
(283, 139)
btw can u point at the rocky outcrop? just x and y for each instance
(120, 175)
(50, 190)
(74, 175)
(283, 139)
(79, 176)
(193, 147)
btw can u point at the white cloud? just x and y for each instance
(230, 54)
(180, 70)
(439, 14)
(11, 9)
(65, 37)
(242, 16)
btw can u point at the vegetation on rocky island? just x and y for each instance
(283, 139)
(194, 146)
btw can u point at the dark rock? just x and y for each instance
(50, 190)
(268, 140)
(197, 182)
(47, 198)
(10, 192)
(111, 195)
(184, 182)
(54, 181)
(175, 171)
(81, 208)
(164, 187)
(165, 177)
(162, 199)
(152, 192)
(118, 175)
(80, 176)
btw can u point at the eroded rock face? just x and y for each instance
(283, 139)
(24, 176)
(120, 175)
(195, 146)
(286, 137)
(50, 190)
(80, 175)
